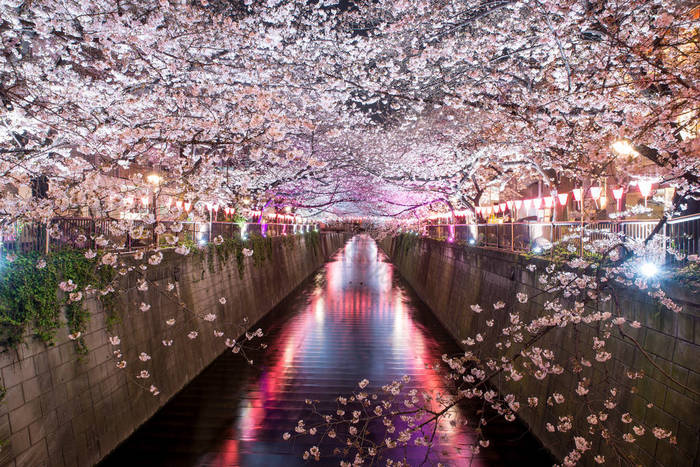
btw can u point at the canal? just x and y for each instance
(351, 320)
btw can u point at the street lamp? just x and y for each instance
(649, 269)
(624, 148)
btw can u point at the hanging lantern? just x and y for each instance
(549, 201)
(187, 205)
(617, 193)
(178, 204)
(644, 189)
(144, 200)
(578, 194)
(537, 203)
(510, 205)
(503, 207)
(518, 203)
(595, 192)
(563, 198)
(527, 203)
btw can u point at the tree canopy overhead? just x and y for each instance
(364, 107)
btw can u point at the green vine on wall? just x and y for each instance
(30, 298)
(31, 301)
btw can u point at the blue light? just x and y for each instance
(537, 250)
(472, 241)
(649, 269)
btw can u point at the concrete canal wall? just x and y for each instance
(64, 409)
(449, 278)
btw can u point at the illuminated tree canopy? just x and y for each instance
(343, 108)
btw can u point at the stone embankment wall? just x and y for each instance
(64, 409)
(450, 278)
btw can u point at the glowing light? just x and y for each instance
(144, 200)
(518, 203)
(154, 179)
(649, 269)
(188, 206)
(472, 241)
(527, 203)
(549, 201)
(537, 250)
(502, 207)
(563, 198)
(644, 187)
(595, 192)
(578, 194)
(510, 205)
(624, 148)
(617, 193)
(536, 203)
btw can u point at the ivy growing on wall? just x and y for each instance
(30, 297)
(31, 301)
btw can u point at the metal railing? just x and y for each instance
(680, 235)
(84, 233)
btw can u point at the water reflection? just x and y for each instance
(353, 320)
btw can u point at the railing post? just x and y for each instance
(551, 241)
(512, 237)
(46, 238)
(664, 243)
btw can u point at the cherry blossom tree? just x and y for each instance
(381, 108)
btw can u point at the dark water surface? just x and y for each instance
(353, 319)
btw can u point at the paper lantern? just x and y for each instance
(518, 203)
(536, 203)
(527, 203)
(595, 192)
(187, 206)
(563, 198)
(549, 201)
(644, 187)
(502, 206)
(617, 193)
(578, 194)
(510, 205)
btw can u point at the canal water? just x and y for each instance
(351, 320)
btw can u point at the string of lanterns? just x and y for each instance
(645, 188)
